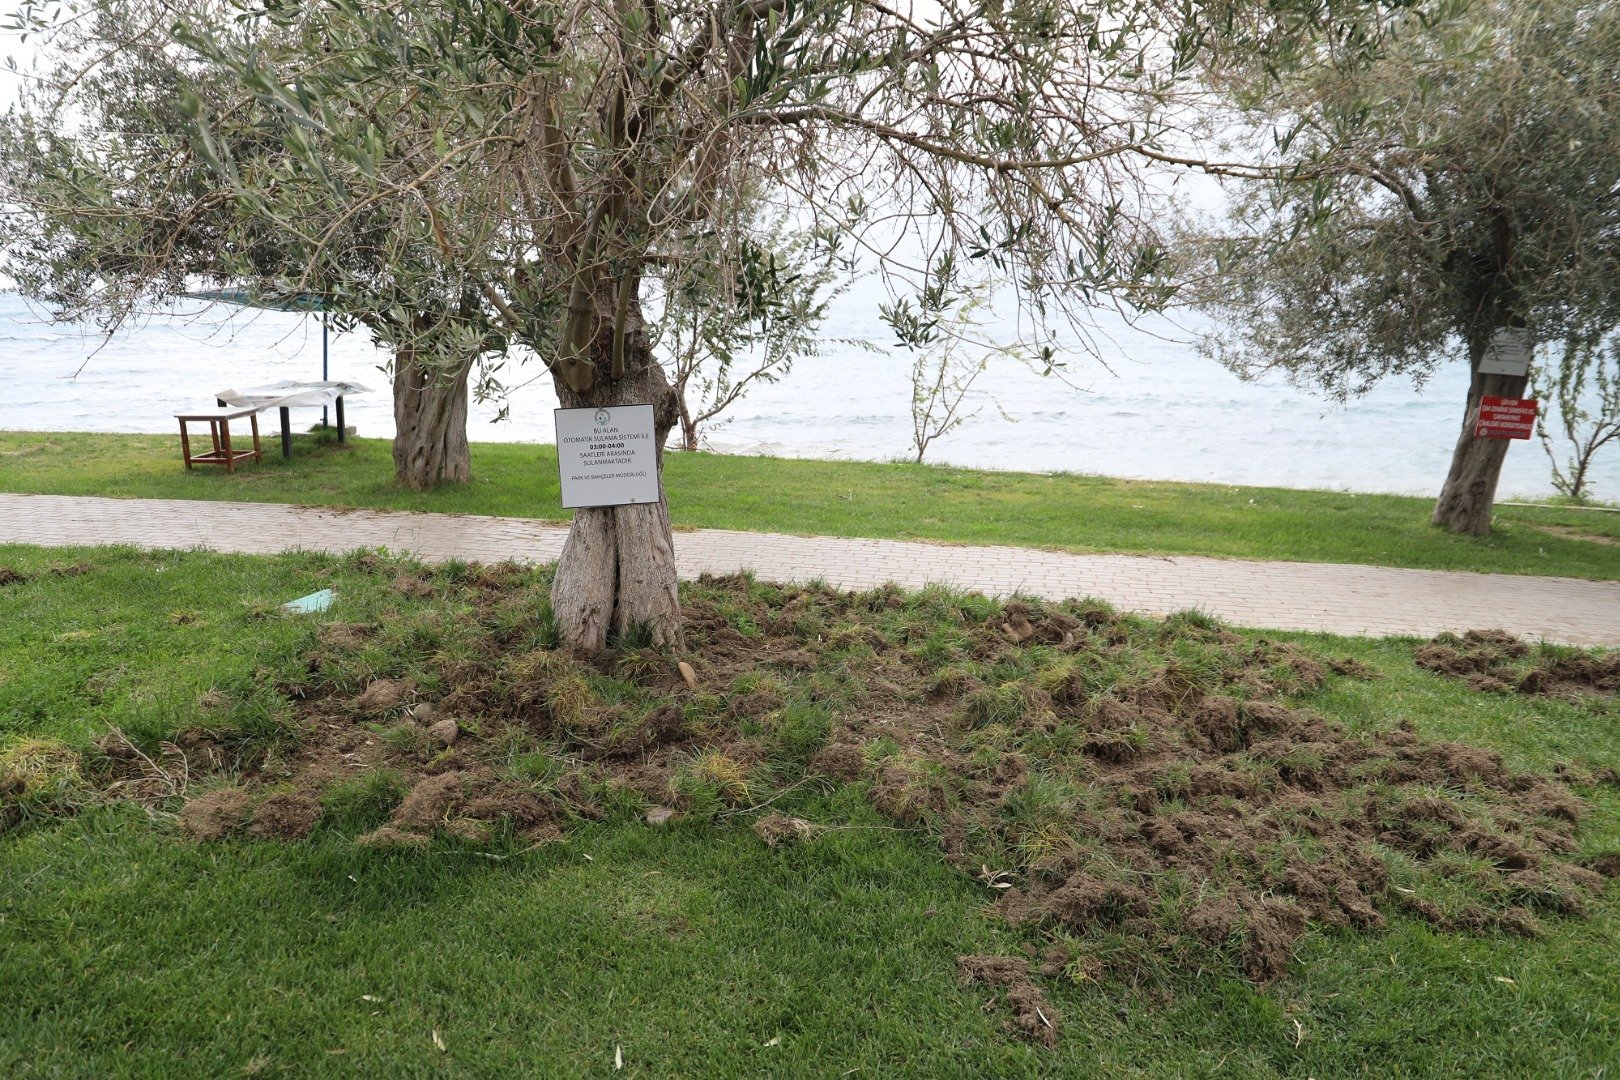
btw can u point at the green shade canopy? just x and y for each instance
(269, 301)
(304, 302)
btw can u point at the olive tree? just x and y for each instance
(120, 203)
(560, 159)
(949, 333)
(1399, 210)
(762, 309)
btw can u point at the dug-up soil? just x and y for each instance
(1495, 662)
(1143, 797)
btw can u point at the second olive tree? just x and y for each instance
(1401, 209)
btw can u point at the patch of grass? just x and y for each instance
(688, 951)
(83, 652)
(694, 948)
(800, 730)
(362, 803)
(1008, 703)
(901, 501)
(407, 740)
(713, 776)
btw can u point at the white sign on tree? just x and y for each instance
(1508, 353)
(607, 456)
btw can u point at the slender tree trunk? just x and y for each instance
(617, 571)
(1577, 484)
(689, 426)
(1469, 495)
(430, 423)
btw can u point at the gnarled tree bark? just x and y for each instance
(430, 423)
(1468, 498)
(617, 570)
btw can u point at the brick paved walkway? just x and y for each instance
(1336, 598)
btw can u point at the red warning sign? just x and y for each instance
(1506, 418)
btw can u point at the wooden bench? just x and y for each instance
(219, 430)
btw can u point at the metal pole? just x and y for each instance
(323, 364)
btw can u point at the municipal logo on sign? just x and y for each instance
(1506, 418)
(602, 416)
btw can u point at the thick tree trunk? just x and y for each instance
(430, 423)
(617, 571)
(1469, 495)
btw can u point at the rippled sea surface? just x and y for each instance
(1158, 410)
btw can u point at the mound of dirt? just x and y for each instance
(1353, 668)
(429, 802)
(1607, 864)
(1197, 784)
(840, 761)
(224, 812)
(345, 635)
(1492, 661)
(381, 695)
(386, 836)
(8, 576)
(467, 804)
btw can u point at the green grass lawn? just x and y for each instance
(901, 501)
(690, 949)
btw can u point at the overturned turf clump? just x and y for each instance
(1494, 661)
(217, 814)
(38, 777)
(285, 816)
(1032, 1013)
(777, 829)
(1152, 794)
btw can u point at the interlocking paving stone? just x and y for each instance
(1330, 597)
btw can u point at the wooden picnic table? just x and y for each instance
(219, 429)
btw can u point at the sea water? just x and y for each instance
(1141, 402)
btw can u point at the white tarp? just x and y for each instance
(290, 395)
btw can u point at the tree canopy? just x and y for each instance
(482, 172)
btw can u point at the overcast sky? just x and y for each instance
(9, 81)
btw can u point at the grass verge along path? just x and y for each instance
(894, 501)
(503, 904)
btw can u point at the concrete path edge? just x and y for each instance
(1324, 597)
